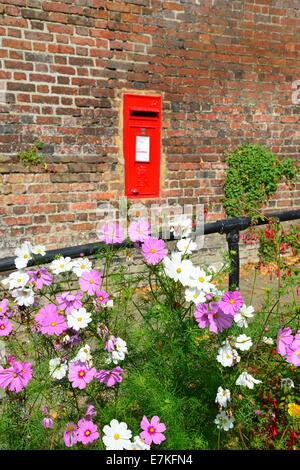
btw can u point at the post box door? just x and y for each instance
(142, 146)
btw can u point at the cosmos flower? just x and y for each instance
(110, 377)
(90, 281)
(223, 421)
(117, 436)
(139, 231)
(154, 250)
(152, 431)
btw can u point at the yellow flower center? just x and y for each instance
(19, 280)
(87, 433)
(297, 352)
(231, 301)
(14, 375)
(116, 436)
(79, 319)
(101, 298)
(0, 309)
(53, 323)
(91, 281)
(82, 266)
(25, 256)
(81, 373)
(62, 266)
(243, 314)
(201, 279)
(195, 296)
(178, 270)
(151, 430)
(2, 327)
(279, 338)
(152, 250)
(227, 357)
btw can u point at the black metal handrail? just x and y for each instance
(230, 227)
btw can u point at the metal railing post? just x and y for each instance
(232, 238)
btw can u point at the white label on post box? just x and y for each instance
(142, 148)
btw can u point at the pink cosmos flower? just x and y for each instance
(80, 375)
(231, 302)
(284, 339)
(154, 250)
(152, 431)
(69, 302)
(218, 319)
(90, 281)
(49, 320)
(16, 377)
(110, 377)
(139, 231)
(5, 327)
(293, 353)
(47, 423)
(3, 307)
(111, 233)
(87, 432)
(40, 277)
(102, 296)
(109, 345)
(70, 434)
(201, 315)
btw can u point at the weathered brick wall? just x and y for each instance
(224, 69)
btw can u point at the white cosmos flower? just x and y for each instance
(227, 356)
(39, 250)
(223, 421)
(57, 369)
(118, 354)
(195, 295)
(23, 255)
(61, 265)
(241, 317)
(243, 343)
(117, 436)
(287, 383)
(186, 246)
(267, 340)
(23, 296)
(81, 265)
(16, 280)
(246, 380)
(181, 226)
(139, 444)
(223, 397)
(177, 269)
(84, 354)
(199, 279)
(78, 319)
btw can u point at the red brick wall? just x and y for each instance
(224, 70)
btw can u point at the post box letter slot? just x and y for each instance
(146, 114)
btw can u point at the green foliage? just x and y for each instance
(252, 177)
(31, 157)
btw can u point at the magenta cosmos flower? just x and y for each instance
(47, 423)
(90, 281)
(154, 250)
(218, 319)
(3, 307)
(40, 277)
(69, 302)
(201, 315)
(111, 233)
(87, 431)
(110, 377)
(102, 296)
(293, 353)
(139, 231)
(284, 339)
(80, 375)
(70, 435)
(5, 327)
(152, 432)
(16, 377)
(231, 302)
(50, 321)
(109, 345)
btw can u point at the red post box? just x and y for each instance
(141, 145)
